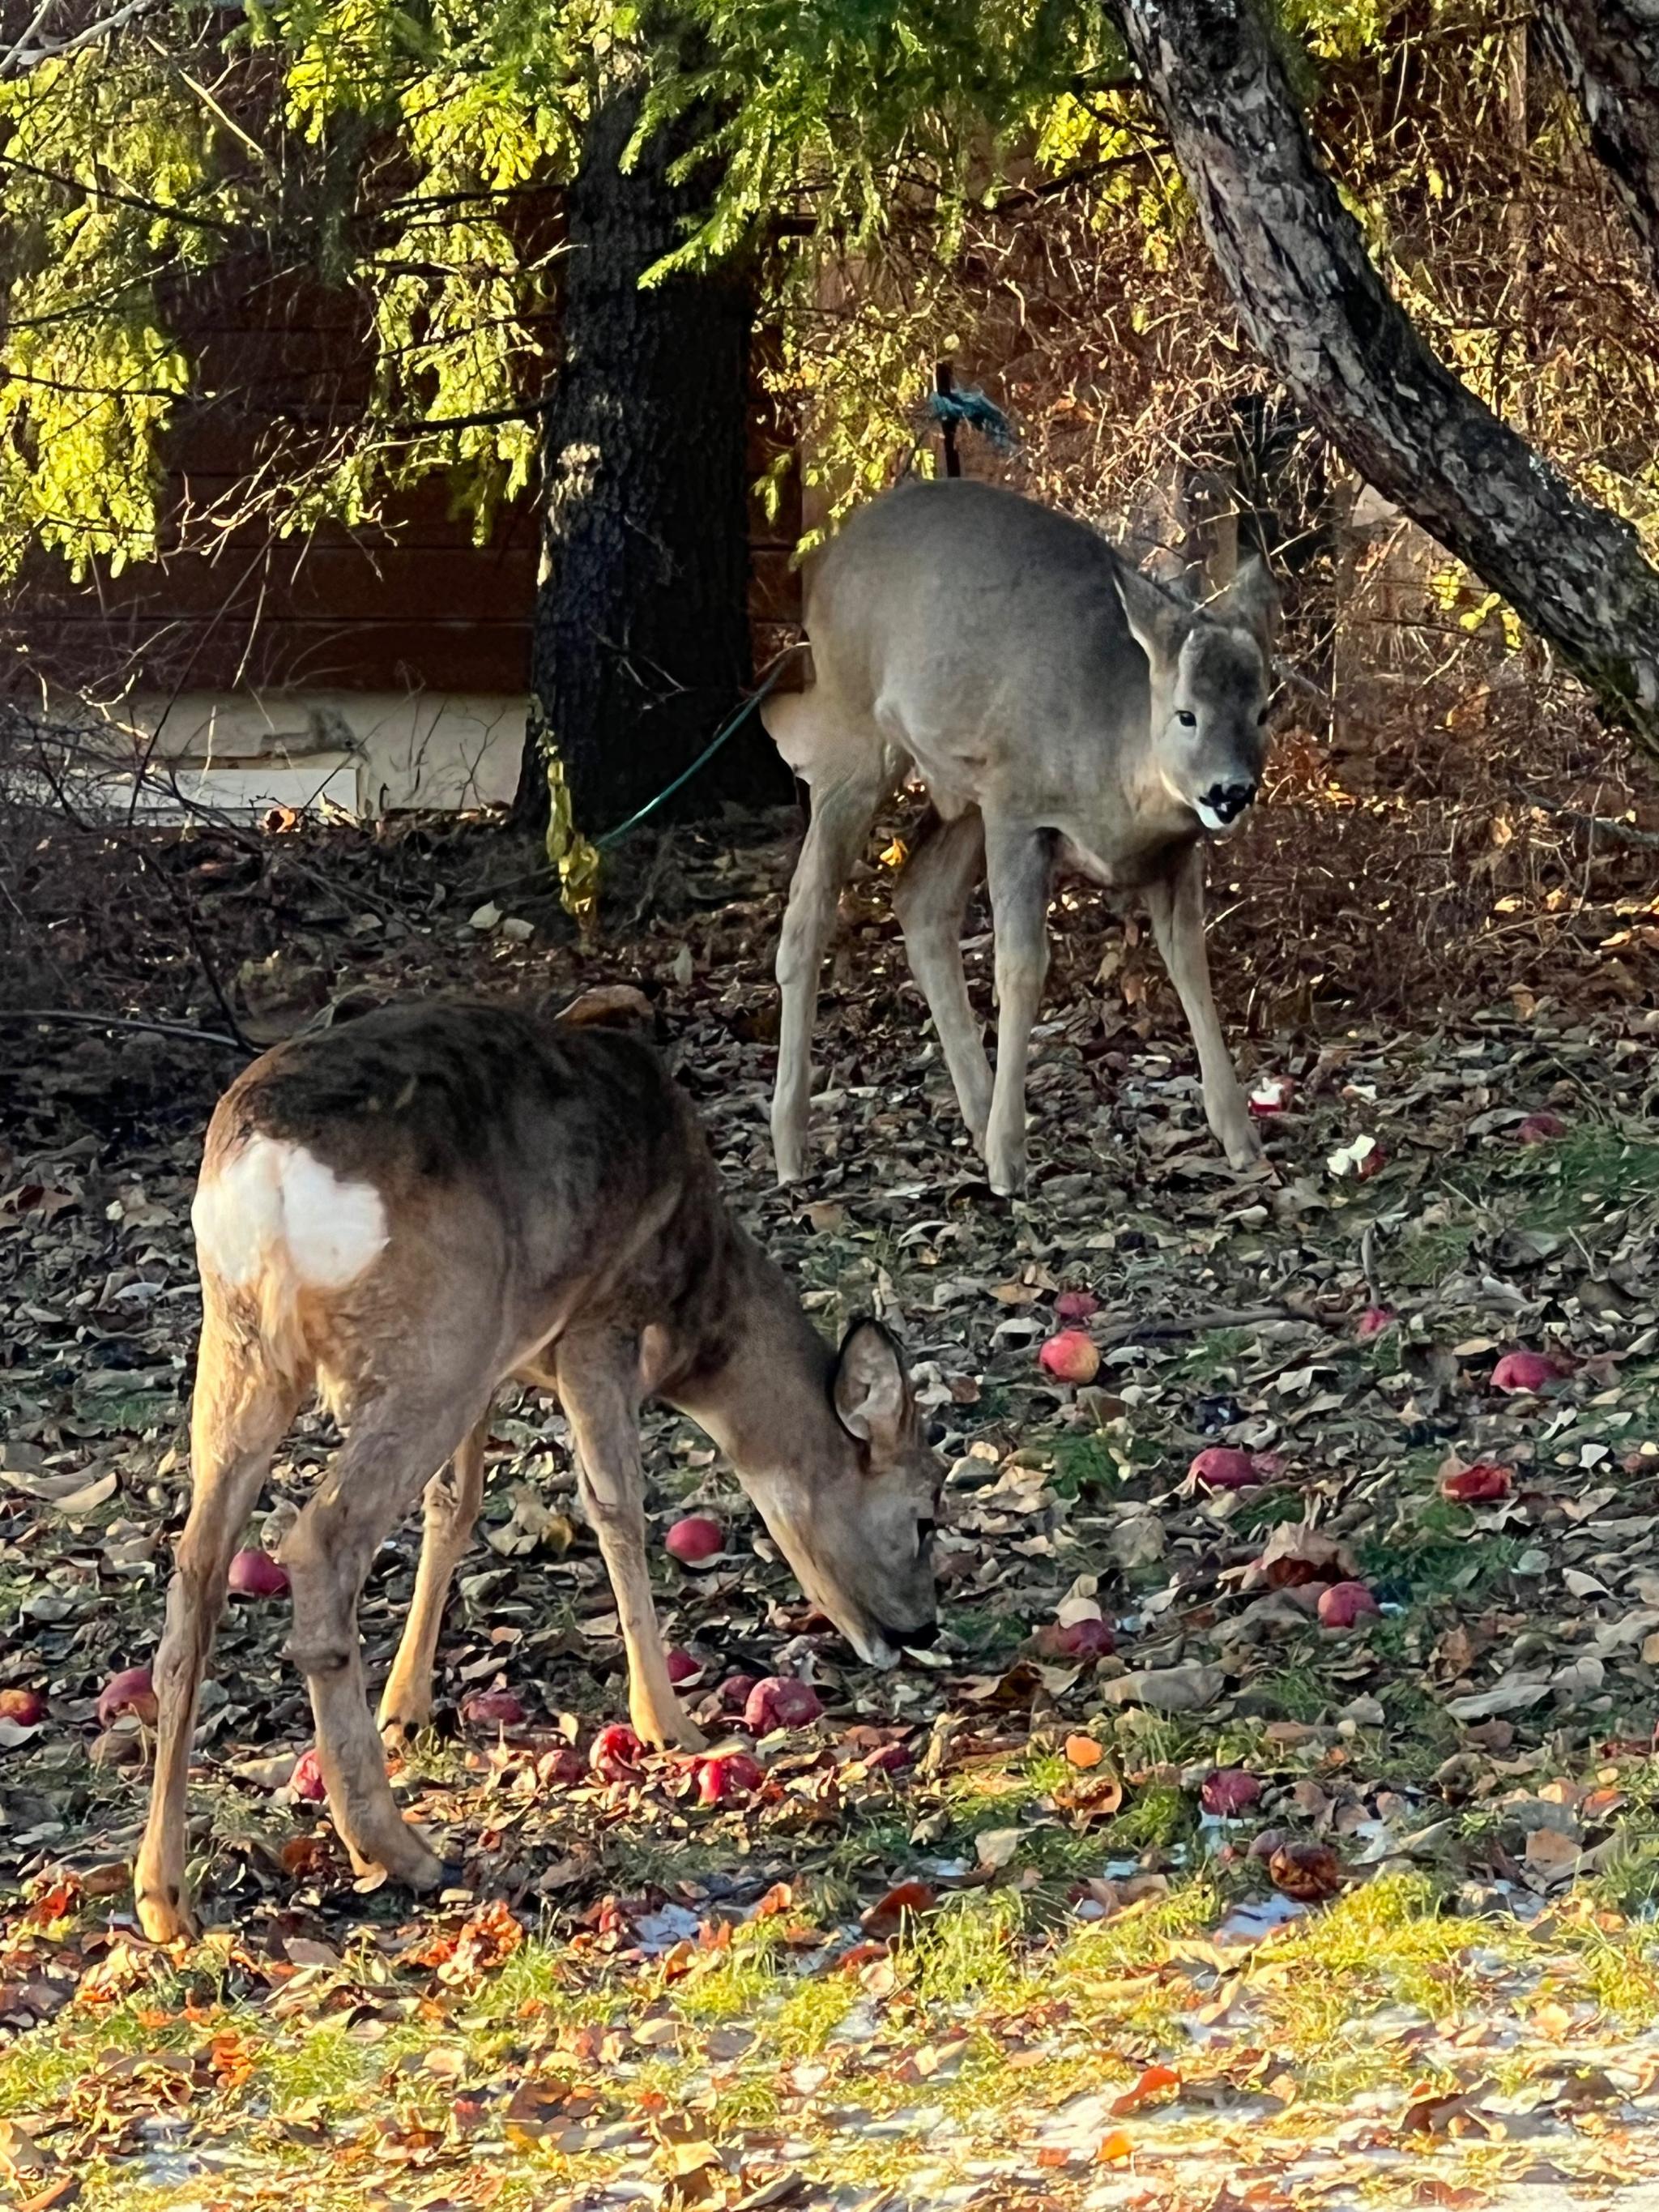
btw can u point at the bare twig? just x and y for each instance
(28, 1014)
(1199, 1324)
(24, 57)
(181, 908)
(1625, 833)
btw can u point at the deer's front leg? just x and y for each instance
(1019, 869)
(1176, 905)
(598, 1388)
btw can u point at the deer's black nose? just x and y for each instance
(914, 1639)
(1229, 800)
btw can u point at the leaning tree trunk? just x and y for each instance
(641, 643)
(1310, 299)
(1608, 52)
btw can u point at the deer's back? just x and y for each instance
(469, 1151)
(963, 621)
(442, 1091)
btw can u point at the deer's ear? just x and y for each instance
(1158, 621)
(871, 1391)
(1251, 601)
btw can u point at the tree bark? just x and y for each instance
(641, 643)
(1312, 301)
(1608, 52)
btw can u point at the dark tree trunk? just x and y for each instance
(1608, 52)
(1310, 299)
(642, 644)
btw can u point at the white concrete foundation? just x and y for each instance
(363, 753)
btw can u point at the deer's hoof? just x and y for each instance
(399, 1730)
(678, 1733)
(1244, 1152)
(420, 1873)
(164, 1914)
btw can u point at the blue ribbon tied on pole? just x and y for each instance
(967, 404)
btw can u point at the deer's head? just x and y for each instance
(1209, 669)
(853, 1510)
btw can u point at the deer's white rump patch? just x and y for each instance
(276, 1203)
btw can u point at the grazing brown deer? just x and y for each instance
(404, 1212)
(1064, 711)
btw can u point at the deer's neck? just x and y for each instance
(759, 1380)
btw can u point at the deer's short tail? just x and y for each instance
(273, 1222)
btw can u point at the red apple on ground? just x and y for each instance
(780, 1701)
(1345, 1604)
(492, 1709)
(727, 1774)
(1525, 1370)
(22, 1708)
(1229, 1791)
(306, 1780)
(733, 1692)
(1079, 1640)
(891, 1758)
(1478, 1484)
(694, 1540)
(255, 1574)
(1541, 1129)
(132, 1691)
(556, 1768)
(1221, 1467)
(616, 1752)
(1071, 1357)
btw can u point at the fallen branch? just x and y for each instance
(1136, 1331)
(24, 1014)
(1625, 832)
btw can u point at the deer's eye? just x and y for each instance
(1187, 721)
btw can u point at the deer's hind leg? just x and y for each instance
(387, 1458)
(929, 899)
(452, 1499)
(242, 1406)
(843, 812)
(1019, 865)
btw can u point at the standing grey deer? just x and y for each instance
(1064, 713)
(404, 1212)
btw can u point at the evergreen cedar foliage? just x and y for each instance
(881, 185)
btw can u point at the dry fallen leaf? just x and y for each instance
(905, 1901)
(1309, 1872)
(1156, 2085)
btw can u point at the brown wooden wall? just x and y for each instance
(411, 605)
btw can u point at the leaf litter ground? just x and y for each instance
(1247, 1911)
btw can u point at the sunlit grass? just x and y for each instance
(39, 2070)
(1619, 1968)
(969, 1951)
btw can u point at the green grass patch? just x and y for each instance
(1427, 1256)
(1084, 1463)
(1258, 1511)
(1216, 1355)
